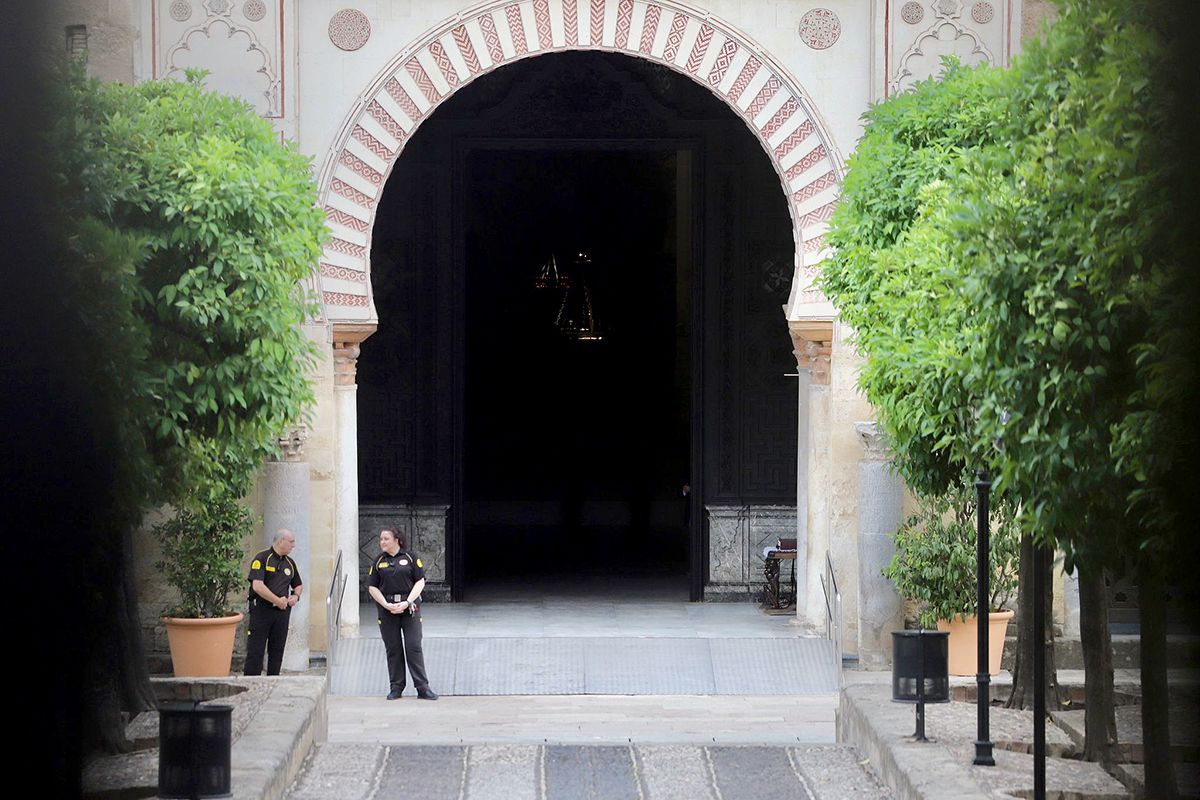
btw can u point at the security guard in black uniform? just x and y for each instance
(275, 586)
(395, 581)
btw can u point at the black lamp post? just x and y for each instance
(1041, 557)
(983, 677)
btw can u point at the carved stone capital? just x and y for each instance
(875, 443)
(812, 343)
(346, 341)
(291, 444)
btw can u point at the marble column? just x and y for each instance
(1070, 595)
(285, 505)
(812, 342)
(346, 341)
(880, 514)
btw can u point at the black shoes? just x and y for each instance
(424, 694)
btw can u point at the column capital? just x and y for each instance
(812, 343)
(874, 441)
(291, 444)
(346, 340)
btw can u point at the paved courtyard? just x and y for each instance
(572, 695)
(581, 772)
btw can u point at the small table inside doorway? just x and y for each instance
(773, 596)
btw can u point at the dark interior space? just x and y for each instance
(558, 447)
(575, 446)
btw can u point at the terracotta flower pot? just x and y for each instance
(964, 655)
(202, 648)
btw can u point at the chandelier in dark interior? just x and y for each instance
(576, 318)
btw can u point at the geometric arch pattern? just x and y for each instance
(497, 33)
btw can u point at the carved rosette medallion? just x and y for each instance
(181, 11)
(982, 13)
(218, 6)
(349, 29)
(947, 8)
(912, 12)
(254, 10)
(820, 28)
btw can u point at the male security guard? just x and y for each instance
(395, 581)
(275, 587)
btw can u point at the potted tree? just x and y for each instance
(202, 549)
(935, 565)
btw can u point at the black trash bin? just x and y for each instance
(920, 671)
(195, 743)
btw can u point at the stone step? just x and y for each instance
(1183, 651)
(1182, 685)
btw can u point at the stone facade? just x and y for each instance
(350, 82)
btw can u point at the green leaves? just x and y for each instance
(893, 275)
(935, 558)
(202, 554)
(229, 227)
(1004, 255)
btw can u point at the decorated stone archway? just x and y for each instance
(500, 32)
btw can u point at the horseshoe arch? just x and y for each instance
(500, 32)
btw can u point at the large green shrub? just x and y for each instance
(892, 275)
(228, 232)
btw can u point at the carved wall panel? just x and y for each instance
(737, 536)
(425, 528)
(921, 32)
(239, 43)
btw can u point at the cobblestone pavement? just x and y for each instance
(584, 772)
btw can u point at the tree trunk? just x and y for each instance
(1100, 722)
(1156, 734)
(118, 680)
(1022, 691)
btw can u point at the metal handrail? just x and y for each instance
(833, 608)
(333, 613)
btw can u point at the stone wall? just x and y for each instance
(112, 34)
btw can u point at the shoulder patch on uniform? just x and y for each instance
(419, 564)
(256, 564)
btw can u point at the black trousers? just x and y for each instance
(402, 641)
(268, 628)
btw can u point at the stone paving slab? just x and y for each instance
(1187, 777)
(585, 719)
(555, 772)
(942, 769)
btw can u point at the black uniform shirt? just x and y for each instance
(279, 573)
(395, 575)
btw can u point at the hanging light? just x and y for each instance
(576, 318)
(550, 278)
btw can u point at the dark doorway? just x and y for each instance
(576, 443)
(561, 459)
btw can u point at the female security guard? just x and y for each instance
(395, 581)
